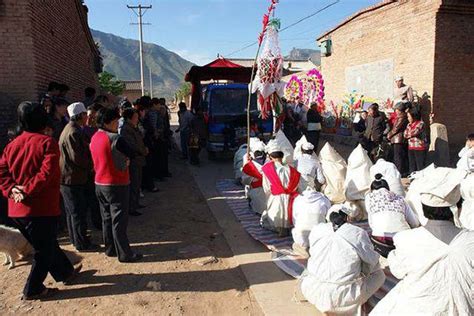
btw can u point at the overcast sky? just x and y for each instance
(198, 30)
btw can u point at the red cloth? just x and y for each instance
(392, 119)
(277, 188)
(105, 171)
(222, 63)
(251, 170)
(32, 161)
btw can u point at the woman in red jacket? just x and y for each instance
(29, 178)
(416, 136)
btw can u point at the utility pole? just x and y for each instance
(140, 13)
(151, 83)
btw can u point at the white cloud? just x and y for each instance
(194, 57)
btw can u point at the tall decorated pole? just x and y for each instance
(265, 74)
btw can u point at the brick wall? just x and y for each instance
(16, 51)
(62, 48)
(453, 97)
(42, 41)
(402, 31)
(431, 44)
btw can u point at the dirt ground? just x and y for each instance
(186, 269)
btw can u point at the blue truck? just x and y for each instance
(225, 107)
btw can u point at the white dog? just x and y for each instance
(13, 245)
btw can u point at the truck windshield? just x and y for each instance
(230, 102)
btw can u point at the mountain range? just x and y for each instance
(305, 54)
(121, 58)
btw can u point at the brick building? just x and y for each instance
(133, 90)
(43, 41)
(430, 43)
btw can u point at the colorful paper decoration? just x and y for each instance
(309, 88)
(267, 82)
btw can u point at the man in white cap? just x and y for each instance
(280, 184)
(434, 262)
(402, 93)
(343, 269)
(252, 175)
(76, 165)
(310, 168)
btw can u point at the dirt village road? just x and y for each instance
(186, 269)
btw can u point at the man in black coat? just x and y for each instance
(376, 126)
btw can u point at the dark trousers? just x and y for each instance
(194, 155)
(400, 157)
(416, 160)
(147, 175)
(184, 138)
(93, 205)
(313, 138)
(41, 232)
(114, 204)
(75, 207)
(136, 172)
(194, 152)
(162, 158)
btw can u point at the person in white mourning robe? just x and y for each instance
(286, 147)
(309, 167)
(309, 209)
(390, 173)
(357, 182)
(334, 170)
(252, 175)
(465, 153)
(388, 214)
(423, 179)
(280, 184)
(343, 269)
(239, 162)
(435, 262)
(466, 218)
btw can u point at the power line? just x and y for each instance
(287, 27)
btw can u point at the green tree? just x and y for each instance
(110, 84)
(184, 90)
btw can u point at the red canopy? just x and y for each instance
(219, 69)
(222, 62)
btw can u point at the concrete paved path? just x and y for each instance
(273, 289)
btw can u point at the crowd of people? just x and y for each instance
(425, 233)
(67, 162)
(401, 134)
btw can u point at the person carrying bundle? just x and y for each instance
(252, 175)
(280, 184)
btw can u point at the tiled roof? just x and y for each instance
(133, 85)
